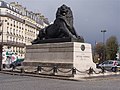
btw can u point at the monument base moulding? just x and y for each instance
(64, 55)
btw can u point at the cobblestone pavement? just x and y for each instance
(15, 82)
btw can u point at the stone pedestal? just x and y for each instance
(64, 55)
(82, 59)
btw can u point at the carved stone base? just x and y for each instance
(64, 55)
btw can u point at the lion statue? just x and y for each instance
(61, 28)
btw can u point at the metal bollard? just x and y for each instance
(73, 71)
(39, 69)
(13, 68)
(22, 70)
(103, 70)
(55, 70)
(90, 71)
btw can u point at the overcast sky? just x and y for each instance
(90, 16)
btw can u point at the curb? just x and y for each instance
(90, 78)
(41, 76)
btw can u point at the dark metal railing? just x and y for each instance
(13, 43)
(72, 70)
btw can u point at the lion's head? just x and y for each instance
(66, 13)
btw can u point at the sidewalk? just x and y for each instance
(61, 77)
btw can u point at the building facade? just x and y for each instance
(18, 26)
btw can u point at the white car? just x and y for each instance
(110, 65)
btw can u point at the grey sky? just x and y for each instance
(90, 16)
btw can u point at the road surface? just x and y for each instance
(14, 82)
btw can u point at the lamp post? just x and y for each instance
(103, 31)
(1, 46)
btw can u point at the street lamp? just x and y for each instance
(103, 31)
(1, 46)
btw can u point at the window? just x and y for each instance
(14, 31)
(13, 39)
(7, 38)
(110, 62)
(8, 5)
(14, 8)
(7, 30)
(10, 38)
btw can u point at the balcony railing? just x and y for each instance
(13, 43)
(12, 16)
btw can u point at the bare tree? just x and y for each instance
(98, 54)
(111, 47)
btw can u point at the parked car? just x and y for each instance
(112, 65)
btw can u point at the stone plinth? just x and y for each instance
(83, 56)
(65, 55)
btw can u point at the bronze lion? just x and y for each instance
(61, 28)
